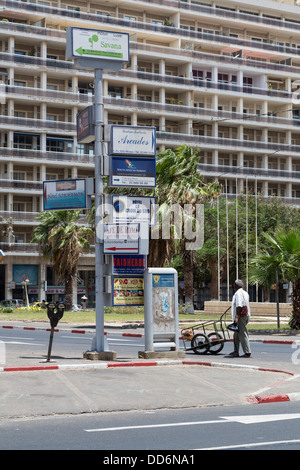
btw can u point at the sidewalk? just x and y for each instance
(74, 386)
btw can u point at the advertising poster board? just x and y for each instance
(163, 303)
(133, 140)
(64, 194)
(129, 264)
(133, 172)
(128, 291)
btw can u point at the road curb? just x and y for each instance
(274, 398)
(159, 362)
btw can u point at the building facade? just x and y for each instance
(221, 75)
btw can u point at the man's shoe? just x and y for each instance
(234, 354)
(247, 355)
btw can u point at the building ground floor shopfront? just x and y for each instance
(17, 275)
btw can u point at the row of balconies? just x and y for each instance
(216, 37)
(37, 64)
(194, 83)
(189, 51)
(35, 188)
(171, 136)
(55, 123)
(172, 7)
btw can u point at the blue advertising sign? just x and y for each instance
(133, 172)
(163, 280)
(129, 264)
(64, 194)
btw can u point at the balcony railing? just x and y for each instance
(29, 249)
(17, 217)
(199, 113)
(39, 155)
(242, 172)
(61, 127)
(202, 84)
(188, 34)
(21, 185)
(214, 58)
(225, 143)
(182, 5)
(33, 93)
(30, 61)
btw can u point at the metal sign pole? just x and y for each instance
(99, 120)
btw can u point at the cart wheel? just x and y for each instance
(200, 343)
(216, 342)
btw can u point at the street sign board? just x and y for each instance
(130, 209)
(129, 264)
(128, 291)
(136, 172)
(97, 44)
(85, 125)
(133, 140)
(64, 194)
(121, 238)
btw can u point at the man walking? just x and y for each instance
(241, 316)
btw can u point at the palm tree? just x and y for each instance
(180, 183)
(280, 262)
(62, 241)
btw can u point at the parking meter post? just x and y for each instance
(55, 313)
(50, 345)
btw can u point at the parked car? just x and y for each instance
(16, 303)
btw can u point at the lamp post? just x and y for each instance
(25, 285)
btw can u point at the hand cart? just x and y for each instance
(209, 336)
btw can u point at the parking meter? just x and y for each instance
(60, 308)
(55, 313)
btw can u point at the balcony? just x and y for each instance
(39, 125)
(38, 156)
(24, 187)
(31, 249)
(205, 114)
(253, 173)
(51, 96)
(19, 218)
(225, 144)
(165, 29)
(27, 218)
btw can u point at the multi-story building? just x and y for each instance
(221, 75)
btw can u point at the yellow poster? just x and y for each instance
(128, 291)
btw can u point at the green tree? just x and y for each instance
(180, 187)
(268, 214)
(62, 241)
(279, 262)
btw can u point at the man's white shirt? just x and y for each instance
(240, 299)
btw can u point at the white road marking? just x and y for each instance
(252, 419)
(254, 444)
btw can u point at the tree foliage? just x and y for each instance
(62, 241)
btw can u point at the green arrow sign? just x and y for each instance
(82, 51)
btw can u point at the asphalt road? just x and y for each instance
(189, 431)
(156, 408)
(25, 347)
